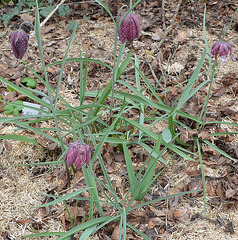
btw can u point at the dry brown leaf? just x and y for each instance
(7, 145)
(79, 212)
(230, 193)
(203, 135)
(154, 222)
(220, 191)
(27, 17)
(46, 143)
(9, 96)
(115, 233)
(219, 92)
(210, 189)
(23, 221)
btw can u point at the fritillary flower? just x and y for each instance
(78, 153)
(222, 49)
(129, 29)
(19, 42)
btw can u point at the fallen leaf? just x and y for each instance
(220, 191)
(115, 233)
(219, 92)
(23, 222)
(27, 18)
(179, 213)
(203, 135)
(230, 193)
(7, 145)
(79, 212)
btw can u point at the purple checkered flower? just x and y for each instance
(78, 153)
(129, 29)
(222, 49)
(19, 42)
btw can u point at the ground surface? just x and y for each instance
(180, 50)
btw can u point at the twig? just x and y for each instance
(169, 28)
(163, 18)
(153, 73)
(51, 14)
(66, 4)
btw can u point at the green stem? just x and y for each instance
(203, 175)
(39, 42)
(204, 109)
(115, 65)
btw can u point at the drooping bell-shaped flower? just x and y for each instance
(129, 29)
(222, 49)
(19, 42)
(78, 153)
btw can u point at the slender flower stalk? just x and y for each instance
(128, 28)
(204, 109)
(115, 69)
(220, 50)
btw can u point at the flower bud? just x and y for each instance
(222, 49)
(129, 29)
(19, 42)
(78, 153)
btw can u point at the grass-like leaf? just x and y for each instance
(129, 167)
(203, 176)
(219, 150)
(21, 138)
(60, 199)
(86, 225)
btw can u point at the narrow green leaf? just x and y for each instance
(122, 67)
(138, 232)
(175, 149)
(60, 199)
(203, 176)
(107, 9)
(186, 91)
(19, 138)
(219, 150)
(87, 233)
(86, 225)
(129, 167)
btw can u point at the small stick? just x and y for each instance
(163, 18)
(169, 28)
(50, 15)
(153, 73)
(66, 4)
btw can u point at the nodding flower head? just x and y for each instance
(222, 49)
(78, 153)
(19, 42)
(129, 29)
